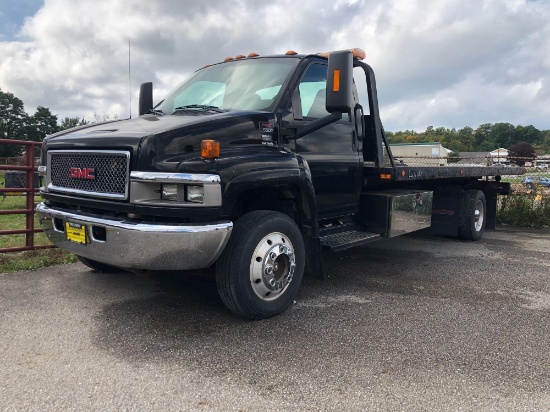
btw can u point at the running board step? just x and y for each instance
(346, 240)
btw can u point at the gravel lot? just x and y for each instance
(414, 323)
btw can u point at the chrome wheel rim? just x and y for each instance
(479, 214)
(272, 266)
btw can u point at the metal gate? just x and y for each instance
(30, 191)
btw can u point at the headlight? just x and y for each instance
(175, 189)
(195, 194)
(169, 192)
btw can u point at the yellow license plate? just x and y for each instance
(76, 232)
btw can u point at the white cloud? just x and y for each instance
(452, 63)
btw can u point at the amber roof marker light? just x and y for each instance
(357, 53)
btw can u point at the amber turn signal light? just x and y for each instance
(336, 81)
(210, 149)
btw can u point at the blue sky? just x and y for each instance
(12, 16)
(450, 63)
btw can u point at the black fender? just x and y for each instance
(286, 173)
(310, 222)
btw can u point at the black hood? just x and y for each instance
(127, 130)
(166, 139)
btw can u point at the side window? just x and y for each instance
(313, 92)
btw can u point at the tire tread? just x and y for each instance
(226, 276)
(466, 229)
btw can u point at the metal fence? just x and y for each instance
(26, 186)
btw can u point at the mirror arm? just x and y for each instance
(295, 132)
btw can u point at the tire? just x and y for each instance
(473, 215)
(260, 270)
(100, 267)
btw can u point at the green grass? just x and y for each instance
(14, 261)
(34, 259)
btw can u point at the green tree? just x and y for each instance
(70, 122)
(41, 124)
(545, 147)
(483, 138)
(12, 123)
(467, 139)
(529, 134)
(502, 135)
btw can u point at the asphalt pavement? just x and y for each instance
(412, 323)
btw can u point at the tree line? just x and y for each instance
(16, 124)
(485, 138)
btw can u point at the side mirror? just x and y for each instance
(339, 82)
(145, 98)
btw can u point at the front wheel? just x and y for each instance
(473, 211)
(259, 272)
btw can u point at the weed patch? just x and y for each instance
(530, 209)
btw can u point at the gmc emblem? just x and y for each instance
(78, 173)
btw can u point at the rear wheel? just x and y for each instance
(261, 268)
(95, 265)
(473, 210)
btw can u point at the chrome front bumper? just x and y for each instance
(134, 245)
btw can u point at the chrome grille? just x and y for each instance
(110, 173)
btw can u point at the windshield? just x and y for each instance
(240, 85)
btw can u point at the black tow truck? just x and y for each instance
(252, 167)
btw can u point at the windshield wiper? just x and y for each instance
(204, 107)
(155, 111)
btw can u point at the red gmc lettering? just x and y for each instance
(78, 173)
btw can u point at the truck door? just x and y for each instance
(331, 152)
